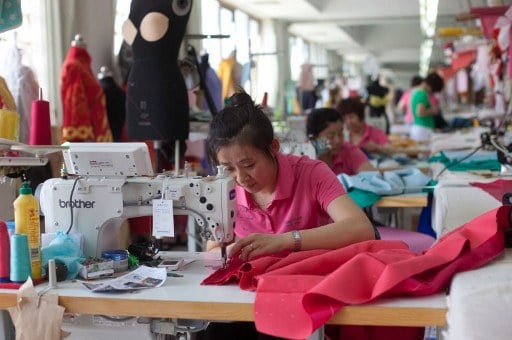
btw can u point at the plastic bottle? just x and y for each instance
(26, 220)
(5, 253)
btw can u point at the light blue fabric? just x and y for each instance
(63, 249)
(393, 182)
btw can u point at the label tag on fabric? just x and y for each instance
(163, 218)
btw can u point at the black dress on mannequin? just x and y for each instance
(157, 99)
(116, 99)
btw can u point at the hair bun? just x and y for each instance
(240, 98)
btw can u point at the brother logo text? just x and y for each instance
(77, 204)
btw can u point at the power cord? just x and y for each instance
(71, 203)
(447, 166)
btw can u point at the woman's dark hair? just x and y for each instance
(319, 119)
(435, 82)
(416, 80)
(351, 105)
(243, 123)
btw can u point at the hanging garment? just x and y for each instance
(24, 88)
(229, 73)
(306, 79)
(157, 105)
(213, 84)
(9, 118)
(83, 101)
(359, 273)
(116, 108)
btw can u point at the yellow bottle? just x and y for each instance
(26, 221)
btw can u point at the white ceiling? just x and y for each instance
(387, 29)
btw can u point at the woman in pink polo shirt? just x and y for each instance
(285, 202)
(369, 138)
(325, 128)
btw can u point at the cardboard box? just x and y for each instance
(97, 269)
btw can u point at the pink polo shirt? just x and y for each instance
(406, 98)
(373, 134)
(304, 189)
(348, 159)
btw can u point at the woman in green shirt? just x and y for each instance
(422, 109)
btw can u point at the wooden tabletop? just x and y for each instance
(416, 200)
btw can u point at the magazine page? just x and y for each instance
(141, 278)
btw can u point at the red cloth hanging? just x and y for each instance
(297, 293)
(496, 189)
(463, 59)
(488, 17)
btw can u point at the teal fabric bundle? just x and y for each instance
(480, 161)
(10, 14)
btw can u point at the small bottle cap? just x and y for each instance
(25, 189)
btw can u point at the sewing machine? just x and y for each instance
(115, 181)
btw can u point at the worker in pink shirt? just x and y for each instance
(285, 202)
(369, 138)
(325, 129)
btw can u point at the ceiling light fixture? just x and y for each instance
(428, 17)
(425, 54)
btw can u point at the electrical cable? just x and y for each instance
(71, 203)
(458, 161)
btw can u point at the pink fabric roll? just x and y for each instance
(40, 130)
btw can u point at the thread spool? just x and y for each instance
(52, 274)
(20, 258)
(5, 252)
(40, 128)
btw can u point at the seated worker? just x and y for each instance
(285, 202)
(362, 135)
(422, 109)
(325, 129)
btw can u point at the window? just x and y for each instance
(28, 38)
(299, 54)
(122, 12)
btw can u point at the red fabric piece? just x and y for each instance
(496, 189)
(463, 59)
(299, 293)
(488, 17)
(16, 285)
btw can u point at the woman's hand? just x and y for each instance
(261, 244)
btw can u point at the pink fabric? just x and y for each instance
(406, 99)
(496, 189)
(373, 134)
(417, 242)
(488, 17)
(298, 293)
(311, 180)
(306, 79)
(348, 160)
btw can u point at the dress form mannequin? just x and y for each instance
(157, 102)
(78, 41)
(83, 101)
